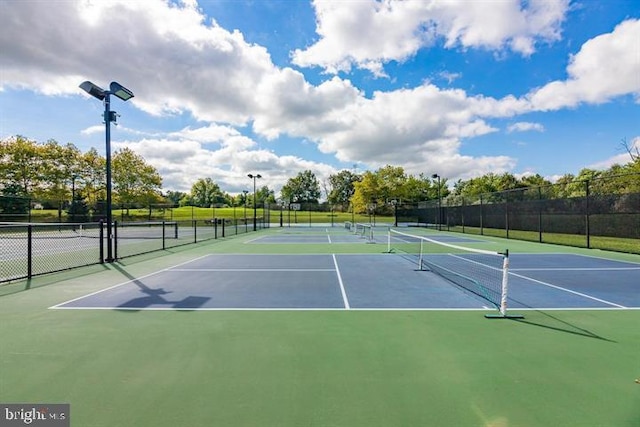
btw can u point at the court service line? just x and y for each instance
(329, 237)
(560, 288)
(344, 293)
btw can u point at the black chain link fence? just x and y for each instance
(31, 249)
(600, 213)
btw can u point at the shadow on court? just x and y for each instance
(154, 297)
(556, 324)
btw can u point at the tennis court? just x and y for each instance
(320, 326)
(375, 281)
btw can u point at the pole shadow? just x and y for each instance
(156, 297)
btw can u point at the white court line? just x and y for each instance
(577, 269)
(329, 237)
(344, 293)
(249, 269)
(127, 282)
(253, 240)
(560, 288)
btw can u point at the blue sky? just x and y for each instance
(226, 88)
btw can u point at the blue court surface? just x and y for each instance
(373, 281)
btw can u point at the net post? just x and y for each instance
(421, 252)
(389, 241)
(504, 292)
(505, 283)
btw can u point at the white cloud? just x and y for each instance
(171, 59)
(606, 66)
(182, 161)
(368, 34)
(92, 130)
(525, 127)
(176, 60)
(620, 159)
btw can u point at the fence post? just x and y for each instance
(163, 236)
(115, 241)
(586, 216)
(539, 214)
(506, 212)
(101, 240)
(481, 216)
(29, 251)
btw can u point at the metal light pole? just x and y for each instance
(435, 175)
(255, 218)
(109, 116)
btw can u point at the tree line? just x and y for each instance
(67, 179)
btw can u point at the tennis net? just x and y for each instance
(484, 273)
(365, 231)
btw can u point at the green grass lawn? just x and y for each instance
(312, 368)
(188, 213)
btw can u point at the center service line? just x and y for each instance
(344, 293)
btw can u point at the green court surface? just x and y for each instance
(313, 368)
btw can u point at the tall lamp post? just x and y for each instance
(255, 219)
(434, 176)
(124, 94)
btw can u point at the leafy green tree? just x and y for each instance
(265, 195)
(205, 193)
(60, 166)
(14, 203)
(134, 181)
(365, 191)
(534, 181)
(92, 176)
(392, 182)
(21, 162)
(418, 188)
(476, 187)
(342, 188)
(303, 188)
(174, 197)
(78, 210)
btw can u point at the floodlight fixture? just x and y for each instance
(93, 90)
(120, 91)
